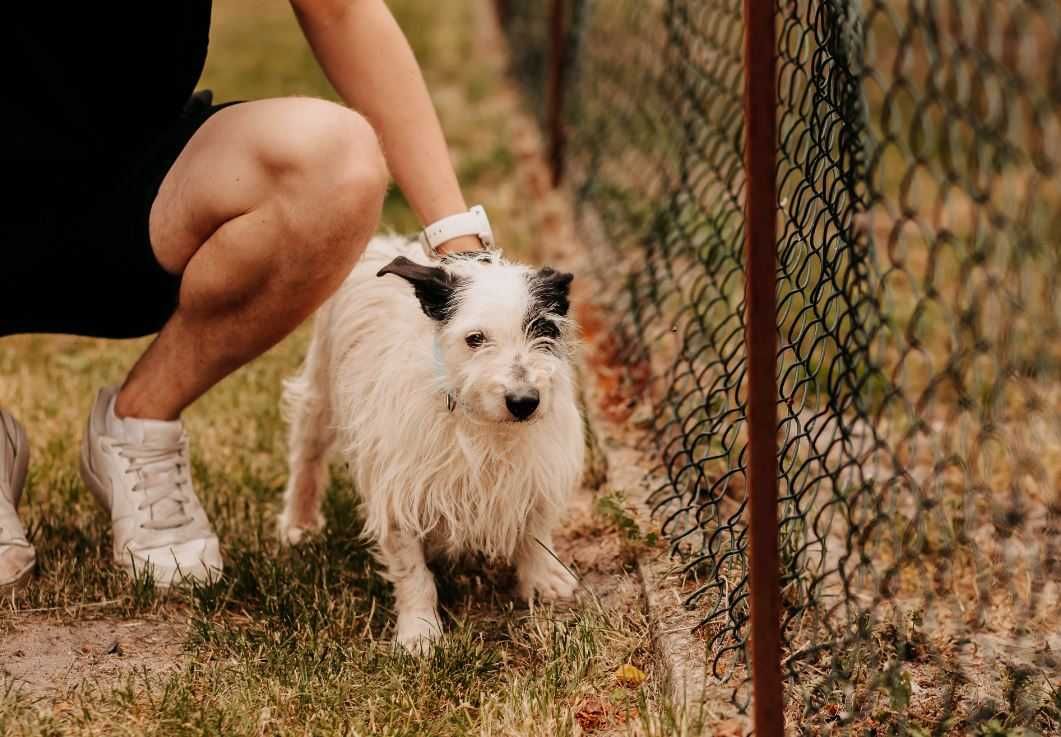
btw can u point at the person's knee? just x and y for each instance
(318, 147)
(331, 179)
(349, 171)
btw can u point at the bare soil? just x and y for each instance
(45, 658)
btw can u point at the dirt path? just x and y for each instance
(42, 658)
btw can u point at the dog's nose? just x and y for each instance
(523, 404)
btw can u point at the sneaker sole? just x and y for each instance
(167, 578)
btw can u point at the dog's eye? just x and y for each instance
(475, 340)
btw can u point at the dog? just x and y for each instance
(448, 387)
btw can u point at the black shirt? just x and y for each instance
(88, 81)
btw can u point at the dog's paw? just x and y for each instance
(546, 579)
(292, 533)
(418, 631)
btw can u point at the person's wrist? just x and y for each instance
(459, 245)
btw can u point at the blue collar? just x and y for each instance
(440, 374)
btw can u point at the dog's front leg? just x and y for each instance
(415, 595)
(307, 399)
(538, 568)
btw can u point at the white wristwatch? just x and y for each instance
(474, 222)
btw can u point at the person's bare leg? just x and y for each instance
(264, 214)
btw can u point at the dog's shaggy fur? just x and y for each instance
(424, 387)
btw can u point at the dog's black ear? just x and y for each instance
(552, 289)
(433, 285)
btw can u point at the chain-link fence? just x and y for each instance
(919, 245)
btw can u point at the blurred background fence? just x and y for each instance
(919, 363)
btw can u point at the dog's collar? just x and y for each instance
(440, 375)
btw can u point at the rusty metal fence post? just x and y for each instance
(760, 339)
(502, 10)
(555, 87)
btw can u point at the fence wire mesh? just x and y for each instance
(919, 379)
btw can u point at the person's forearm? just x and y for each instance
(369, 62)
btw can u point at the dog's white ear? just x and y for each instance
(434, 286)
(552, 289)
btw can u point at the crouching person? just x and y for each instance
(220, 227)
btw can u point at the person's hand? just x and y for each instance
(460, 245)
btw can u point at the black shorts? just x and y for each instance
(78, 259)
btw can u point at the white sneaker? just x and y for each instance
(138, 469)
(17, 556)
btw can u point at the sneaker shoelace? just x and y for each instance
(161, 474)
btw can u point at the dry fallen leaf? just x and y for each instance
(730, 727)
(591, 714)
(735, 727)
(630, 675)
(626, 714)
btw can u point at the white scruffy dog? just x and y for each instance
(452, 397)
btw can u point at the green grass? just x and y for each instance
(298, 641)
